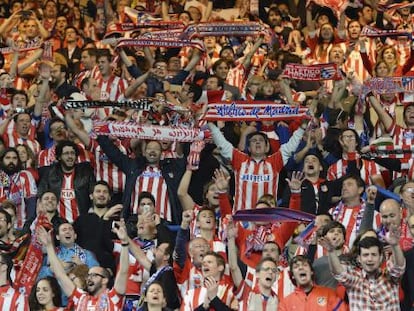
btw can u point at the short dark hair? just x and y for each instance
(331, 225)
(369, 242)
(357, 178)
(262, 261)
(299, 258)
(104, 53)
(208, 209)
(55, 120)
(103, 183)
(146, 195)
(19, 92)
(219, 258)
(63, 144)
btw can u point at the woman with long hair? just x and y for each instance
(46, 295)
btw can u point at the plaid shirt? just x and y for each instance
(379, 293)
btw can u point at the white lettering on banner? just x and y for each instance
(68, 194)
(255, 178)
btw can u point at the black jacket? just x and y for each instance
(52, 176)
(172, 171)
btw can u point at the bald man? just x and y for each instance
(392, 214)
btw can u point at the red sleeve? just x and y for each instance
(366, 61)
(224, 204)
(285, 231)
(408, 64)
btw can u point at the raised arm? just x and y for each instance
(226, 148)
(334, 264)
(290, 147)
(139, 254)
(383, 116)
(232, 254)
(186, 200)
(80, 133)
(121, 278)
(64, 281)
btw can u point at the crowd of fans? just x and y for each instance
(322, 219)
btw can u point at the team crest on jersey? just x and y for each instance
(408, 135)
(322, 301)
(324, 188)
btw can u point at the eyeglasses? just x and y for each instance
(267, 269)
(3, 219)
(94, 275)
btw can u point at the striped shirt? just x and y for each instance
(68, 206)
(11, 299)
(47, 157)
(106, 169)
(255, 178)
(196, 297)
(151, 180)
(17, 188)
(108, 300)
(368, 169)
(348, 217)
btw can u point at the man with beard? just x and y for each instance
(307, 295)
(69, 253)
(71, 181)
(94, 229)
(97, 296)
(148, 173)
(58, 132)
(61, 87)
(17, 185)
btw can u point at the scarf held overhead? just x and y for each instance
(318, 72)
(253, 111)
(152, 132)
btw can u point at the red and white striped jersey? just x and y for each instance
(17, 188)
(254, 178)
(195, 297)
(189, 277)
(151, 180)
(237, 76)
(106, 169)
(348, 217)
(283, 286)
(108, 300)
(137, 275)
(94, 73)
(402, 136)
(369, 168)
(13, 139)
(11, 299)
(353, 63)
(47, 157)
(246, 294)
(112, 89)
(68, 206)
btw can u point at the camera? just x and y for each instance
(20, 109)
